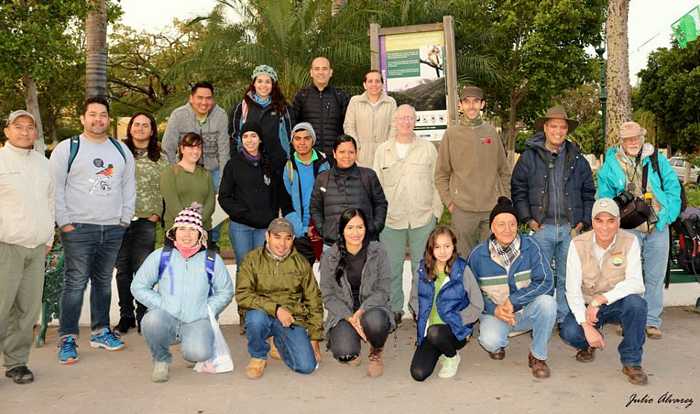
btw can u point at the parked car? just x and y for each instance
(680, 166)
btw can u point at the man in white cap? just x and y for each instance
(604, 285)
(26, 234)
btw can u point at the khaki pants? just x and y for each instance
(471, 228)
(21, 286)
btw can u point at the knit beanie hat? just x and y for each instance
(264, 70)
(503, 205)
(252, 126)
(190, 217)
(305, 126)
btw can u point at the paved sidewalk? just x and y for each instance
(119, 382)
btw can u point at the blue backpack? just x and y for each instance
(209, 263)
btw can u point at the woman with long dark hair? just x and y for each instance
(251, 192)
(140, 238)
(355, 284)
(446, 301)
(264, 103)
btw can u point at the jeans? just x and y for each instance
(654, 247)
(395, 241)
(344, 341)
(161, 330)
(539, 315)
(554, 241)
(293, 343)
(244, 239)
(90, 252)
(630, 312)
(139, 241)
(439, 340)
(216, 180)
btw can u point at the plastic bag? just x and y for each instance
(221, 358)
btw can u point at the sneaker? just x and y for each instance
(68, 351)
(375, 368)
(106, 339)
(255, 368)
(125, 323)
(20, 375)
(160, 371)
(449, 366)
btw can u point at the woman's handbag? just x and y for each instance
(220, 360)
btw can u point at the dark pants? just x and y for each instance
(90, 252)
(305, 248)
(345, 342)
(439, 340)
(630, 312)
(139, 241)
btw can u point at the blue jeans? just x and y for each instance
(216, 180)
(654, 247)
(293, 343)
(244, 239)
(395, 240)
(539, 315)
(90, 252)
(554, 241)
(629, 311)
(161, 330)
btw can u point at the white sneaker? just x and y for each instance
(160, 372)
(449, 366)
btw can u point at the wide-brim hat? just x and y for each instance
(556, 112)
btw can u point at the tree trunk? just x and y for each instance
(619, 104)
(31, 100)
(96, 43)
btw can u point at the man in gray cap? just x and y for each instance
(553, 192)
(300, 172)
(472, 171)
(280, 296)
(26, 235)
(604, 285)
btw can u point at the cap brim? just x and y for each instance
(539, 124)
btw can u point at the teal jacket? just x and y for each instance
(612, 181)
(183, 289)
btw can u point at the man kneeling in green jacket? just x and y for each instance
(280, 296)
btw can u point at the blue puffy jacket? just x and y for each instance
(612, 181)
(459, 302)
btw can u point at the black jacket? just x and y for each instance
(245, 196)
(336, 190)
(269, 120)
(324, 110)
(529, 183)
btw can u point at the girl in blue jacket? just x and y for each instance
(445, 301)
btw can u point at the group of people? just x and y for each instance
(345, 182)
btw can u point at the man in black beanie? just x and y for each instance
(517, 284)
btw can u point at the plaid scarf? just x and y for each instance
(504, 255)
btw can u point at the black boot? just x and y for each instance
(125, 323)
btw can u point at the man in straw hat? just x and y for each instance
(472, 171)
(553, 192)
(604, 285)
(624, 169)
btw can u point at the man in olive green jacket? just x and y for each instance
(280, 296)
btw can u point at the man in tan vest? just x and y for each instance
(604, 285)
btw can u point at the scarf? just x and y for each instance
(504, 255)
(188, 252)
(472, 122)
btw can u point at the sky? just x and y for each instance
(649, 21)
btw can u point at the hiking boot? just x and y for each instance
(274, 353)
(449, 366)
(585, 355)
(398, 316)
(68, 350)
(498, 355)
(20, 375)
(106, 339)
(160, 371)
(255, 368)
(125, 323)
(653, 332)
(635, 375)
(538, 366)
(375, 368)
(355, 362)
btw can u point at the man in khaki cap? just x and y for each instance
(553, 192)
(26, 234)
(472, 171)
(604, 285)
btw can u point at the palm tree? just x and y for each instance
(96, 44)
(619, 104)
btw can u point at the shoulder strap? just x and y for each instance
(164, 260)
(654, 158)
(118, 146)
(209, 264)
(74, 147)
